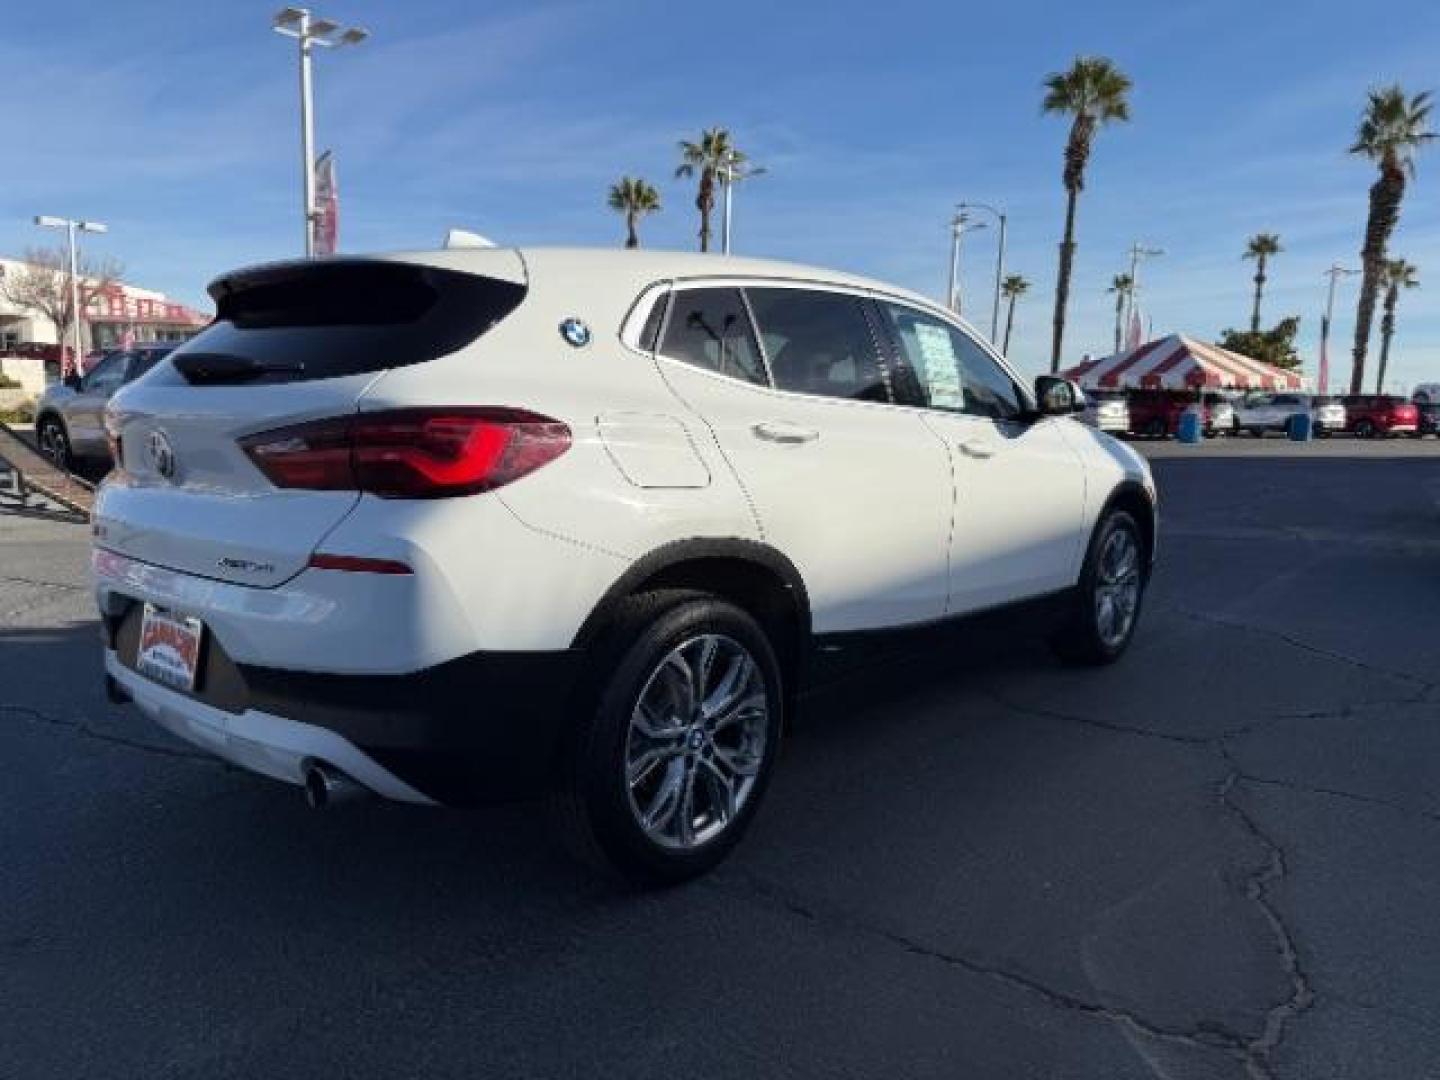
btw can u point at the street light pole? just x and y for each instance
(960, 224)
(72, 260)
(1137, 252)
(1335, 272)
(999, 262)
(729, 172)
(309, 31)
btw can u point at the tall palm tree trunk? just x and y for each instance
(705, 203)
(1387, 331)
(632, 240)
(1385, 196)
(1009, 325)
(1119, 311)
(1259, 289)
(1062, 281)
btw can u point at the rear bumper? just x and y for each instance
(481, 728)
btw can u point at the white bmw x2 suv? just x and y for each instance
(472, 525)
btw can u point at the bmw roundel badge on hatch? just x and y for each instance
(575, 332)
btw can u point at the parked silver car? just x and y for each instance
(1259, 413)
(1107, 410)
(69, 423)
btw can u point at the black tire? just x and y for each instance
(1079, 640)
(54, 442)
(591, 802)
(1364, 429)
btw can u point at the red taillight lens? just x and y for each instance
(410, 453)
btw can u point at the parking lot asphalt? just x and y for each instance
(1218, 858)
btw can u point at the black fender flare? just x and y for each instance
(699, 549)
(1132, 491)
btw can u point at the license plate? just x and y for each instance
(169, 648)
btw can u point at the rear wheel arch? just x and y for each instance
(51, 416)
(754, 576)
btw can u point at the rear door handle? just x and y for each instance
(977, 448)
(778, 431)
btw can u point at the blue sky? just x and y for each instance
(175, 123)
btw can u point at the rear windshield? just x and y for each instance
(301, 322)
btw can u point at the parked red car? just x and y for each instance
(1156, 413)
(1368, 415)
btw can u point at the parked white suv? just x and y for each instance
(472, 525)
(1259, 413)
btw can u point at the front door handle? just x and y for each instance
(777, 431)
(977, 448)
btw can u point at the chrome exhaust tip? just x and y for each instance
(327, 786)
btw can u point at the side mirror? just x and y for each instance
(1055, 396)
(72, 381)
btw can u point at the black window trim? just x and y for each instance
(667, 296)
(1027, 403)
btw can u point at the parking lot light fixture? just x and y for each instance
(1137, 252)
(309, 30)
(72, 259)
(960, 224)
(1001, 218)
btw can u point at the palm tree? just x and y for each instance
(1392, 128)
(1012, 288)
(1260, 248)
(1122, 285)
(1399, 274)
(1094, 92)
(715, 159)
(633, 197)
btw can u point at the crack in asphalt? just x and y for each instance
(66, 586)
(84, 730)
(1303, 646)
(1204, 1036)
(1197, 741)
(1339, 793)
(1259, 1049)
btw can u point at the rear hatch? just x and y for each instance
(291, 343)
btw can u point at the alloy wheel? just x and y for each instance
(697, 740)
(54, 445)
(1117, 586)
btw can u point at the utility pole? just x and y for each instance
(1335, 272)
(1137, 252)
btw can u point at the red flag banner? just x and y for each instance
(326, 224)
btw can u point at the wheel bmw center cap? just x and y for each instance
(575, 332)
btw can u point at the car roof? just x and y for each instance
(635, 269)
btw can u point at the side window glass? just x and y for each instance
(107, 377)
(142, 362)
(819, 343)
(710, 329)
(954, 373)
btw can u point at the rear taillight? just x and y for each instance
(410, 453)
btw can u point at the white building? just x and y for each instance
(118, 311)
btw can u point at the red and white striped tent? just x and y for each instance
(1180, 363)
